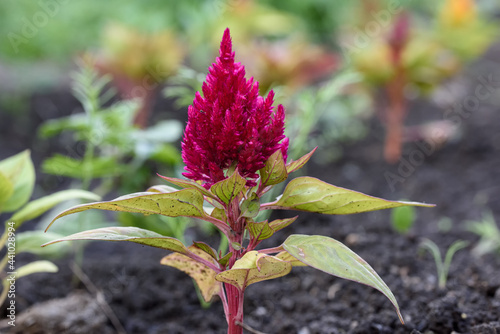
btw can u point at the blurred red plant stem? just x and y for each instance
(146, 105)
(144, 89)
(395, 91)
(395, 115)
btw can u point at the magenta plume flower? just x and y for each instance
(231, 125)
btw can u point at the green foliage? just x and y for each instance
(17, 179)
(402, 218)
(113, 146)
(488, 230)
(443, 266)
(27, 38)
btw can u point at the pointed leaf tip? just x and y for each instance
(313, 195)
(334, 258)
(293, 166)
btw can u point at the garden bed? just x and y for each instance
(462, 178)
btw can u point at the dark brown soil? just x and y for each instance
(462, 179)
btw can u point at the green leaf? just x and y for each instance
(313, 195)
(75, 168)
(274, 171)
(260, 230)
(133, 234)
(254, 267)
(6, 189)
(293, 166)
(219, 214)
(285, 256)
(166, 154)
(42, 266)
(332, 257)
(188, 184)
(31, 242)
(225, 259)
(227, 189)
(19, 170)
(161, 132)
(76, 122)
(37, 207)
(279, 224)
(206, 248)
(250, 207)
(186, 202)
(203, 275)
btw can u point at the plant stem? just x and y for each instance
(235, 309)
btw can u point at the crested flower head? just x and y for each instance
(231, 125)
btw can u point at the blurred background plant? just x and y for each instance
(17, 180)
(489, 233)
(442, 265)
(114, 152)
(403, 53)
(139, 63)
(402, 220)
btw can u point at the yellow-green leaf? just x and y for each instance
(313, 195)
(253, 268)
(203, 275)
(42, 266)
(292, 166)
(219, 214)
(185, 184)
(225, 259)
(229, 188)
(19, 170)
(31, 242)
(250, 207)
(206, 248)
(285, 256)
(279, 224)
(274, 171)
(133, 234)
(6, 189)
(260, 230)
(37, 207)
(185, 202)
(334, 258)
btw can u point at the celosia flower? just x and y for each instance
(231, 125)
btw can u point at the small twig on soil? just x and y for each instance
(248, 328)
(99, 297)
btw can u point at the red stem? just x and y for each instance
(235, 309)
(234, 296)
